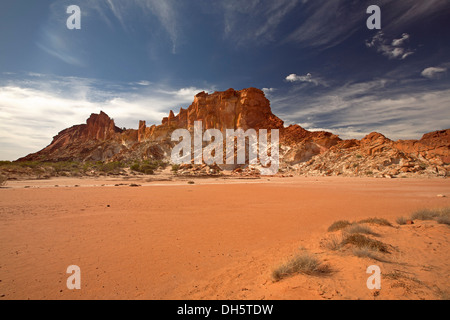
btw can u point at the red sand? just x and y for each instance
(214, 239)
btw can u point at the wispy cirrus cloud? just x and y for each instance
(254, 21)
(71, 48)
(54, 40)
(329, 23)
(127, 11)
(406, 12)
(326, 24)
(353, 110)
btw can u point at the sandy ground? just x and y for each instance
(215, 239)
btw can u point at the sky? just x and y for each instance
(316, 60)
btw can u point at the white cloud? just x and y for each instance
(268, 91)
(144, 83)
(393, 49)
(433, 72)
(401, 41)
(306, 78)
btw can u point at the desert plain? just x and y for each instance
(217, 238)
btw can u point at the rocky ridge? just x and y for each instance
(301, 151)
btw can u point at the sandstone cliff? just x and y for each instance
(302, 151)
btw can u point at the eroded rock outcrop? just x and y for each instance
(301, 151)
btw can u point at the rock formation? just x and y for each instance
(302, 151)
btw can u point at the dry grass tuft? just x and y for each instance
(361, 241)
(443, 220)
(425, 214)
(3, 180)
(401, 221)
(332, 243)
(339, 225)
(397, 275)
(366, 252)
(442, 215)
(357, 228)
(378, 221)
(303, 263)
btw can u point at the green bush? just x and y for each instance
(3, 180)
(147, 166)
(111, 166)
(135, 167)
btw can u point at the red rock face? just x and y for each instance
(432, 145)
(245, 109)
(99, 127)
(100, 139)
(79, 141)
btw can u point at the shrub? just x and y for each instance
(425, 214)
(357, 228)
(29, 164)
(445, 211)
(147, 166)
(175, 167)
(443, 219)
(401, 220)
(378, 221)
(361, 241)
(365, 252)
(339, 225)
(333, 243)
(302, 263)
(3, 180)
(442, 216)
(111, 166)
(135, 167)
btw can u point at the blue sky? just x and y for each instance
(318, 63)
